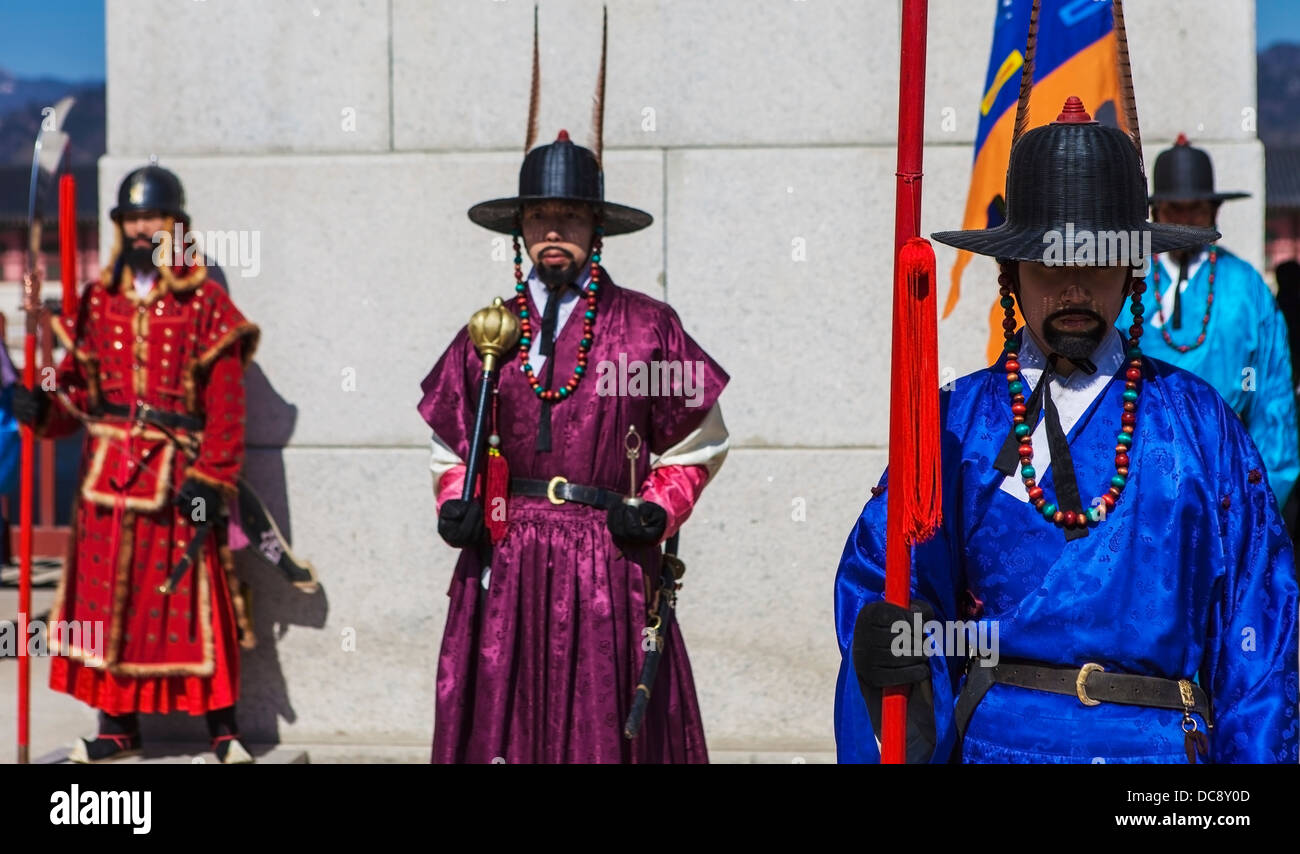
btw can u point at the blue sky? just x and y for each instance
(54, 38)
(65, 38)
(1276, 21)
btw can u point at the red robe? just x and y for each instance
(180, 349)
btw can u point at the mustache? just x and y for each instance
(566, 253)
(1076, 312)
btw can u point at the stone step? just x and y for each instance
(189, 754)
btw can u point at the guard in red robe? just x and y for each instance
(148, 616)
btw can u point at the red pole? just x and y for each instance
(68, 244)
(907, 224)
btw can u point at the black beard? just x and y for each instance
(1181, 255)
(557, 277)
(1074, 345)
(139, 258)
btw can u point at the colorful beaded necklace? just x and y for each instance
(1209, 301)
(526, 328)
(1123, 440)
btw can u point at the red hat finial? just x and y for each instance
(563, 137)
(1073, 112)
(1182, 140)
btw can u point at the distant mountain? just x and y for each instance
(18, 92)
(1278, 85)
(21, 101)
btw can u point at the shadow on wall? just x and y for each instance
(275, 604)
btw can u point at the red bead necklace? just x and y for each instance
(1205, 322)
(591, 292)
(1024, 432)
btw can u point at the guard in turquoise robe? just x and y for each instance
(1238, 342)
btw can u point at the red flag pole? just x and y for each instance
(68, 245)
(914, 475)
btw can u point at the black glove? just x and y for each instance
(460, 522)
(30, 405)
(641, 524)
(874, 639)
(198, 500)
(878, 667)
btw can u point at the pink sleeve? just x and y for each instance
(450, 484)
(676, 489)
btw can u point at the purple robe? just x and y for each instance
(541, 666)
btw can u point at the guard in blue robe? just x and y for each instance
(1182, 583)
(1239, 342)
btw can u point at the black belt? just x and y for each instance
(149, 415)
(559, 490)
(1090, 683)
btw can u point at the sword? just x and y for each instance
(51, 142)
(661, 617)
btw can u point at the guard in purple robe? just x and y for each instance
(607, 417)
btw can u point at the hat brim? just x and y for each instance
(1195, 197)
(502, 214)
(1032, 244)
(116, 213)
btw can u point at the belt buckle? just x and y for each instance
(1080, 683)
(550, 489)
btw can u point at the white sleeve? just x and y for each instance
(443, 459)
(706, 445)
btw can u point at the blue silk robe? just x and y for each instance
(1191, 575)
(1246, 355)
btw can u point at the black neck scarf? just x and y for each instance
(1008, 459)
(550, 318)
(1176, 318)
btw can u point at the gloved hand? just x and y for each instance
(198, 500)
(460, 522)
(31, 405)
(874, 639)
(641, 524)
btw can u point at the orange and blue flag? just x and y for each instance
(1076, 54)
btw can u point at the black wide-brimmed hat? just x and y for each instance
(150, 188)
(561, 171)
(1074, 183)
(1185, 174)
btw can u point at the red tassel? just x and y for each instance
(494, 495)
(914, 395)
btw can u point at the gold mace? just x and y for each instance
(493, 330)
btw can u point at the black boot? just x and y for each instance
(225, 737)
(119, 736)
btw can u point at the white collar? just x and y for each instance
(1108, 356)
(538, 288)
(1170, 267)
(1072, 396)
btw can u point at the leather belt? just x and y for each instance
(1090, 683)
(559, 491)
(149, 415)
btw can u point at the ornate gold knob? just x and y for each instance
(493, 330)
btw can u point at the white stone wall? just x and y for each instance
(352, 137)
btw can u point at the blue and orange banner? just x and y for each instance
(1076, 55)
